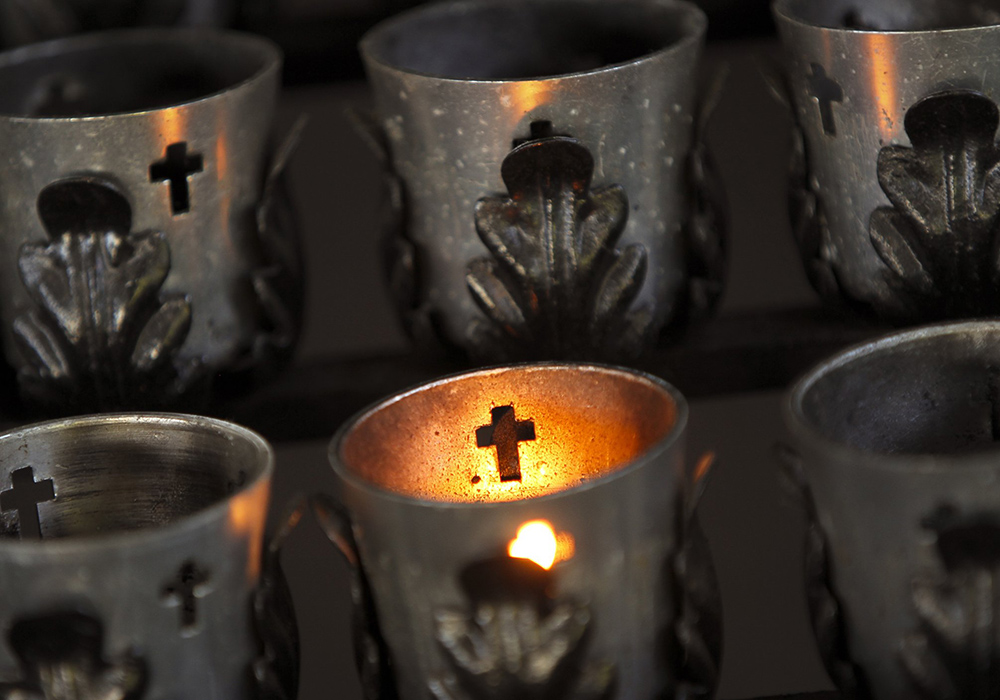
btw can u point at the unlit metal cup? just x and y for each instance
(898, 455)
(133, 562)
(148, 247)
(894, 196)
(551, 195)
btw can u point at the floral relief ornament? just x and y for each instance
(939, 239)
(101, 335)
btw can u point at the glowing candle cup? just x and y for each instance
(517, 533)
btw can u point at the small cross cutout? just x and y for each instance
(825, 91)
(176, 167)
(190, 584)
(504, 433)
(24, 496)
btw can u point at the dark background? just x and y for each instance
(754, 531)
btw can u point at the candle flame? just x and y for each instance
(537, 540)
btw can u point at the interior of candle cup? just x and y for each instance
(121, 473)
(892, 15)
(525, 39)
(924, 392)
(435, 442)
(128, 71)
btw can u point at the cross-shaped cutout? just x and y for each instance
(176, 167)
(825, 91)
(504, 433)
(190, 584)
(24, 496)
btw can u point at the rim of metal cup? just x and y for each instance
(784, 10)
(191, 521)
(672, 436)
(804, 430)
(373, 44)
(253, 48)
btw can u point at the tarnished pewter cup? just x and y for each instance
(133, 562)
(896, 450)
(551, 195)
(437, 484)
(895, 186)
(147, 244)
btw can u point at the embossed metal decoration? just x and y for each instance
(631, 262)
(160, 267)
(438, 483)
(891, 194)
(898, 446)
(62, 658)
(955, 650)
(516, 640)
(134, 563)
(940, 239)
(555, 284)
(101, 334)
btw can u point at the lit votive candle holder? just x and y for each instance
(523, 531)
(897, 454)
(133, 562)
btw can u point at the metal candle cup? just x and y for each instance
(552, 196)
(899, 463)
(894, 186)
(147, 242)
(545, 502)
(133, 564)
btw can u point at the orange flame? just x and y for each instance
(537, 540)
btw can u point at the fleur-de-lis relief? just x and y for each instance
(61, 659)
(938, 240)
(555, 285)
(514, 641)
(100, 337)
(955, 651)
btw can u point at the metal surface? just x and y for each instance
(898, 460)
(147, 244)
(131, 552)
(426, 513)
(894, 202)
(552, 196)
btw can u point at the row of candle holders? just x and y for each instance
(527, 530)
(549, 193)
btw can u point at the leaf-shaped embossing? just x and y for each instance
(555, 285)
(516, 641)
(955, 651)
(61, 659)
(938, 240)
(100, 337)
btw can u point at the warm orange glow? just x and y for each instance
(587, 424)
(524, 96)
(537, 540)
(245, 521)
(172, 126)
(880, 51)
